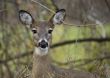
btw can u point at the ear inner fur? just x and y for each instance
(52, 20)
(23, 11)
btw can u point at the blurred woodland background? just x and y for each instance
(82, 42)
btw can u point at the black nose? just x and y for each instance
(43, 44)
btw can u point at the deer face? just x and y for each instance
(42, 31)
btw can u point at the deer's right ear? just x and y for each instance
(25, 17)
(59, 17)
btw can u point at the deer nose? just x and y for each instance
(43, 44)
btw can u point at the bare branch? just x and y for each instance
(68, 42)
(99, 40)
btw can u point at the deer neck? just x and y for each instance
(41, 65)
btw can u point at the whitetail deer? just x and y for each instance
(42, 33)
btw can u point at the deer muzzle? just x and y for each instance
(43, 44)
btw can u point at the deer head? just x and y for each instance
(42, 31)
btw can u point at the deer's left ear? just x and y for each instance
(59, 17)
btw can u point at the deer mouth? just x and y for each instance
(42, 48)
(41, 51)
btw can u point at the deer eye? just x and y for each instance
(50, 31)
(34, 30)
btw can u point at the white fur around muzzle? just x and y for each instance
(40, 51)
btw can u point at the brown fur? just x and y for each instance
(42, 68)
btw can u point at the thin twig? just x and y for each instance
(52, 11)
(86, 60)
(85, 25)
(43, 6)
